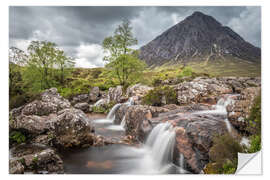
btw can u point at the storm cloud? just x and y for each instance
(80, 30)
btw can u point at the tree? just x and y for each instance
(17, 59)
(64, 64)
(122, 60)
(46, 66)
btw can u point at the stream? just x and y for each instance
(153, 157)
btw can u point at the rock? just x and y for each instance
(137, 119)
(207, 90)
(80, 98)
(35, 158)
(194, 135)
(240, 109)
(71, 128)
(32, 124)
(15, 167)
(138, 91)
(114, 94)
(49, 102)
(94, 94)
(83, 106)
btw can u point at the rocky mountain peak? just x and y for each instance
(198, 37)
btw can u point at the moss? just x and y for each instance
(154, 96)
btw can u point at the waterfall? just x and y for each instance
(111, 114)
(99, 102)
(123, 122)
(161, 142)
(221, 108)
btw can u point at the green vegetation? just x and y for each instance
(154, 96)
(17, 137)
(103, 109)
(223, 155)
(123, 62)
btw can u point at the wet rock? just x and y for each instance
(115, 94)
(80, 98)
(194, 135)
(240, 109)
(36, 159)
(71, 128)
(83, 106)
(94, 94)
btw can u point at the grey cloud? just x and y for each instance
(69, 27)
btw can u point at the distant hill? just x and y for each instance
(199, 37)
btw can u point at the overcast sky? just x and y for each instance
(81, 30)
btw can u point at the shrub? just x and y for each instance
(255, 144)
(223, 155)
(104, 108)
(254, 120)
(154, 96)
(17, 136)
(186, 72)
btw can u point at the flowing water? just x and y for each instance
(220, 108)
(153, 157)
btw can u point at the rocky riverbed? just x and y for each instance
(67, 137)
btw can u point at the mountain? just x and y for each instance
(198, 37)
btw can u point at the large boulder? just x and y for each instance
(94, 94)
(71, 128)
(115, 94)
(34, 158)
(239, 111)
(35, 117)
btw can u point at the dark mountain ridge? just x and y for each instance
(198, 37)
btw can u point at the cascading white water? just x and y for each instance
(221, 108)
(123, 122)
(99, 102)
(111, 114)
(161, 142)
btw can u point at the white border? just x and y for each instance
(4, 74)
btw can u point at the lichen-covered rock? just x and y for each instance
(240, 109)
(94, 94)
(83, 106)
(115, 94)
(71, 128)
(36, 159)
(138, 91)
(50, 102)
(34, 117)
(201, 90)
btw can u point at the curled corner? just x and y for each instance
(249, 163)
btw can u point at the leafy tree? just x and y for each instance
(64, 64)
(17, 58)
(122, 61)
(46, 66)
